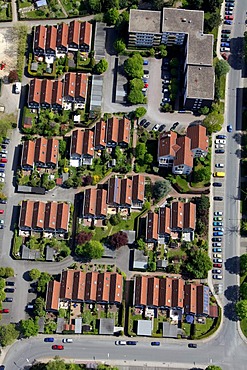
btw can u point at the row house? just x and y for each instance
(178, 152)
(126, 192)
(82, 150)
(45, 94)
(41, 152)
(88, 287)
(75, 88)
(53, 40)
(94, 205)
(180, 217)
(51, 94)
(52, 217)
(165, 293)
(116, 131)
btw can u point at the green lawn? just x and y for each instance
(125, 224)
(222, 86)
(186, 327)
(175, 253)
(201, 329)
(182, 183)
(243, 326)
(24, 4)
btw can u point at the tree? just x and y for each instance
(6, 272)
(83, 237)
(243, 264)
(119, 46)
(39, 307)
(101, 66)
(213, 122)
(174, 63)
(136, 83)
(160, 188)
(203, 174)
(241, 309)
(140, 112)
(148, 158)
(29, 328)
(111, 16)
(135, 97)
(204, 110)
(152, 266)
(119, 239)
(157, 4)
(141, 244)
(222, 68)
(140, 150)
(8, 334)
(13, 76)
(212, 22)
(115, 219)
(56, 364)
(90, 250)
(95, 5)
(34, 274)
(87, 180)
(198, 263)
(108, 4)
(43, 281)
(213, 367)
(133, 66)
(243, 291)
(62, 147)
(2, 283)
(162, 50)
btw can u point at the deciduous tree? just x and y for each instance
(119, 46)
(34, 274)
(39, 307)
(83, 237)
(29, 328)
(133, 66)
(119, 239)
(160, 188)
(101, 66)
(241, 309)
(8, 334)
(90, 250)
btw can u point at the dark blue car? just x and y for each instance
(48, 339)
(155, 343)
(131, 343)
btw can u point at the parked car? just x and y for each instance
(224, 56)
(218, 218)
(217, 277)
(2, 174)
(219, 165)
(9, 290)
(220, 151)
(228, 12)
(4, 310)
(220, 141)
(218, 213)
(49, 339)
(217, 265)
(225, 48)
(8, 299)
(1, 211)
(147, 124)
(229, 128)
(155, 343)
(226, 31)
(4, 151)
(145, 62)
(166, 100)
(217, 255)
(146, 85)
(142, 122)
(217, 250)
(216, 244)
(225, 44)
(229, 17)
(6, 140)
(217, 260)
(146, 72)
(4, 146)
(218, 228)
(10, 283)
(145, 80)
(218, 146)
(58, 347)
(3, 201)
(217, 233)
(216, 223)
(217, 184)
(67, 340)
(156, 127)
(192, 345)
(120, 342)
(228, 22)
(216, 271)
(217, 240)
(218, 198)
(166, 81)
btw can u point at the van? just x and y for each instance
(219, 174)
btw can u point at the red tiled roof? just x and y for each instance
(34, 91)
(116, 288)
(114, 189)
(62, 35)
(167, 144)
(177, 293)
(79, 285)
(198, 136)
(57, 92)
(46, 92)
(165, 292)
(138, 188)
(62, 216)
(103, 287)
(26, 215)
(190, 298)
(50, 215)
(100, 134)
(177, 215)
(184, 154)
(126, 192)
(28, 153)
(164, 220)
(52, 295)
(74, 31)
(101, 206)
(152, 226)
(153, 291)
(39, 37)
(91, 286)
(67, 284)
(124, 126)
(52, 151)
(112, 130)
(85, 33)
(70, 85)
(87, 143)
(51, 38)
(141, 283)
(38, 216)
(76, 142)
(40, 150)
(81, 86)
(189, 215)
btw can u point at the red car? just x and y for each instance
(225, 56)
(58, 346)
(1, 211)
(4, 160)
(229, 17)
(145, 85)
(5, 310)
(217, 264)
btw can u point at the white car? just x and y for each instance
(67, 340)
(220, 141)
(217, 255)
(218, 213)
(144, 89)
(120, 342)
(156, 127)
(1, 222)
(225, 49)
(146, 76)
(4, 151)
(217, 277)
(2, 174)
(219, 165)
(3, 155)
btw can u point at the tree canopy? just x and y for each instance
(111, 16)
(222, 67)
(243, 264)
(43, 281)
(34, 274)
(90, 250)
(8, 334)
(6, 272)
(140, 112)
(39, 307)
(119, 239)
(160, 188)
(133, 66)
(29, 328)
(213, 122)
(83, 237)
(119, 46)
(213, 367)
(241, 309)
(101, 66)
(198, 263)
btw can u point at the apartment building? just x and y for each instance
(88, 287)
(178, 152)
(184, 28)
(41, 153)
